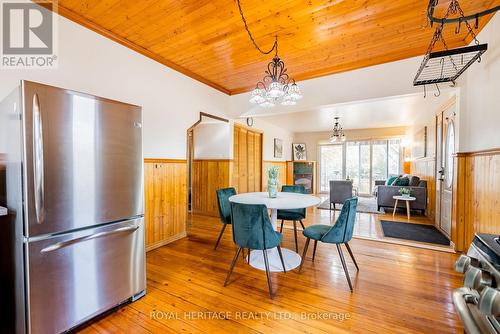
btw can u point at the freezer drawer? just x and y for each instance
(76, 276)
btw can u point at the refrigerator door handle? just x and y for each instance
(38, 164)
(63, 244)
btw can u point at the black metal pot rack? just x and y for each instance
(448, 65)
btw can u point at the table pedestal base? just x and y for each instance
(291, 259)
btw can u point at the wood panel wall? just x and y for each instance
(165, 183)
(476, 202)
(425, 169)
(247, 162)
(207, 177)
(282, 175)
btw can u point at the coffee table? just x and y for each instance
(407, 199)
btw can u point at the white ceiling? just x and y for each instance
(374, 113)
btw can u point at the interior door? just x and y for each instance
(83, 159)
(445, 149)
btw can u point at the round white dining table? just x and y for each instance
(284, 201)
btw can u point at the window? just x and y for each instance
(331, 165)
(361, 161)
(450, 151)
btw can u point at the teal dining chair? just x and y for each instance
(295, 215)
(224, 209)
(340, 233)
(252, 229)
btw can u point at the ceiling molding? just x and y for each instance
(72, 16)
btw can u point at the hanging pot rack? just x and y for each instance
(449, 64)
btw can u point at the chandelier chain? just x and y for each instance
(275, 45)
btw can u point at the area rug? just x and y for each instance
(414, 232)
(365, 205)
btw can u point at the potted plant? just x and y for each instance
(405, 192)
(272, 181)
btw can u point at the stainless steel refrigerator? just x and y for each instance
(71, 176)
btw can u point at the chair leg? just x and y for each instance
(304, 253)
(295, 234)
(281, 228)
(281, 258)
(314, 249)
(266, 262)
(330, 205)
(333, 206)
(220, 236)
(243, 253)
(345, 266)
(302, 224)
(232, 266)
(352, 255)
(249, 250)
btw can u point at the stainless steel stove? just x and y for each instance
(478, 301)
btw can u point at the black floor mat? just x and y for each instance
(414, 232)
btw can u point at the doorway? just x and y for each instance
(445, 151)
(208, 151)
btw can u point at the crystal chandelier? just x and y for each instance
(337, 132)
(276, 87)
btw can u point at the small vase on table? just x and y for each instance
(272, 181)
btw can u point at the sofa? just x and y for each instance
(385, 193)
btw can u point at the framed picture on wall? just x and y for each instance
(299, 152)
(278, 148)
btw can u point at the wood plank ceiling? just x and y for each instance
(206, 40)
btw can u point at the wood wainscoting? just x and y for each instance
(476, 196)
(165, 190)
(282, 175)
(207, 177)
(425, 169)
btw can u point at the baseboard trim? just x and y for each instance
(166, 241)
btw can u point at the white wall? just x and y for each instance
(94, 64)
(211, 141)
(480, 95)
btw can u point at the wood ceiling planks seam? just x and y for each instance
(205, 39)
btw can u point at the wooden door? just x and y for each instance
(445, 151)
(247, 161)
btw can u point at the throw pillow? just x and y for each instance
(404, 182)
(414, 180)
(401, 182)
(390, 180)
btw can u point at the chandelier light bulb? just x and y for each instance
(258, 96)
(275, 90)
(294, 92)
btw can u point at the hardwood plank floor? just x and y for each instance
(399, 289)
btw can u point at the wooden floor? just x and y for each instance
(399, 289)
(368, 225)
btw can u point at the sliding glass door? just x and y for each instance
(331, 165)
(361, 161)
(358, 165)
